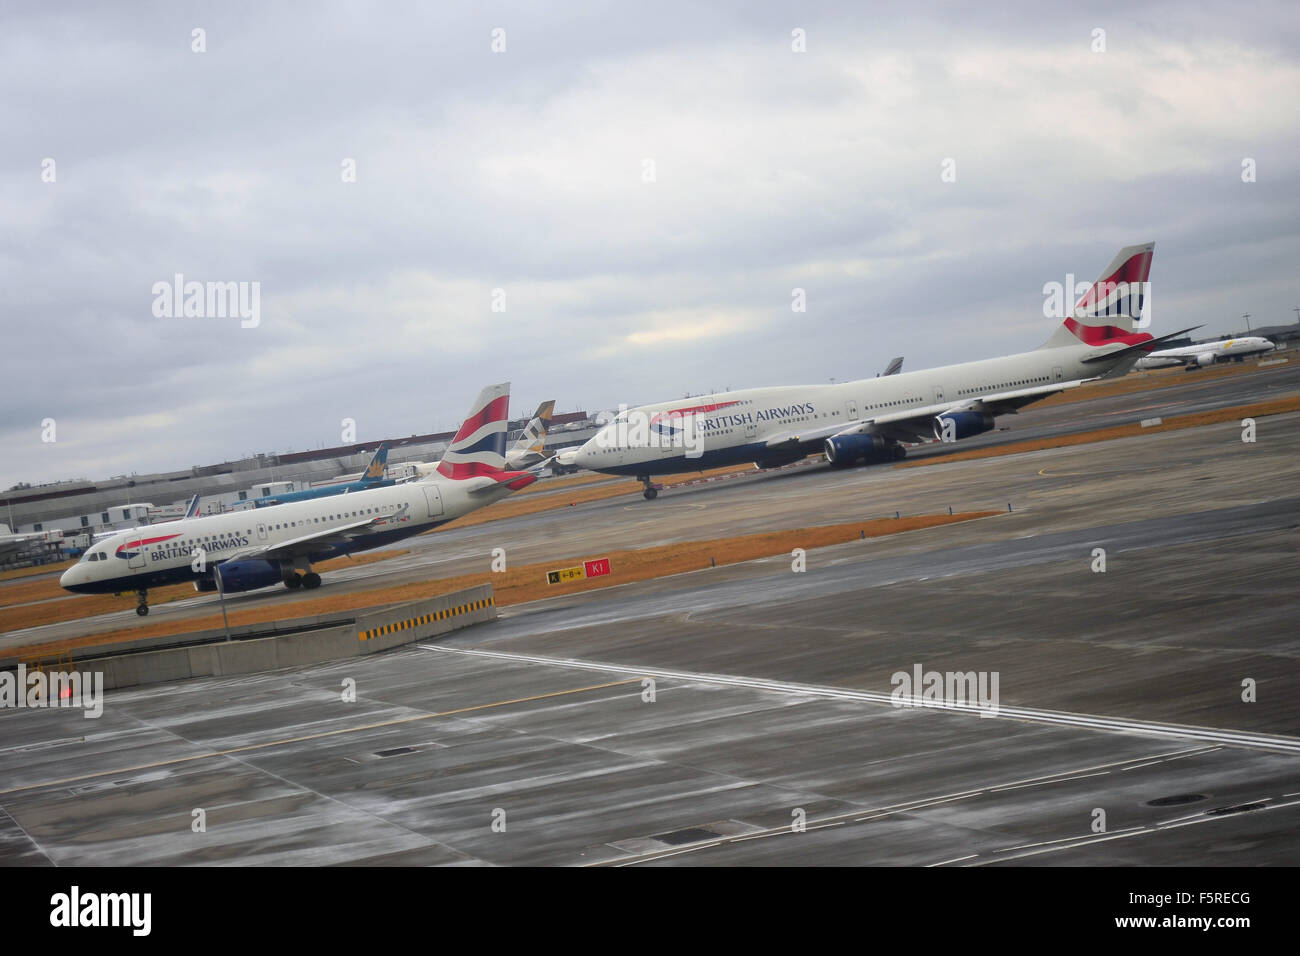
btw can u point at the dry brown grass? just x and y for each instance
(528, 583)
(1257, 410)
(59, 566)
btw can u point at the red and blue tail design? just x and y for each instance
(479, 447)
(1108, 312)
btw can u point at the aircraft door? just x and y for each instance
(938, 394)
(261, 531)
(135, 561)
(433, 498)
(852, 410)
(1056, 374)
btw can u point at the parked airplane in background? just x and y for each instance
(256, 548)
(530, 449)
(372, 477)
(527, 451)
(869, 420)
(1207, 353)
(11, 541)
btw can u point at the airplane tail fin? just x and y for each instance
(192, 509)
(480, 444)
(535, 432)
(375, 470)
(1109, 311)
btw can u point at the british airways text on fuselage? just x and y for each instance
(762, 415)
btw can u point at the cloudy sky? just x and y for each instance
(639, 186)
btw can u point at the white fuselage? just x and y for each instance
(1207, 353)
(737, 426)
(164, 554)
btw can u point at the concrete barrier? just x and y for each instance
(289, 643)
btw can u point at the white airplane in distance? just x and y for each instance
(1207, 353)
(527, 450)
(869, 420)
(256, 548)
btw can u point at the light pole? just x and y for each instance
(1246, 316)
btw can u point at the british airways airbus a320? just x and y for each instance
(255, 548)
(871, 419)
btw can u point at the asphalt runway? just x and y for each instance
(1119, 734)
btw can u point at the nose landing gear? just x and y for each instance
(143, 607)
(651, 491)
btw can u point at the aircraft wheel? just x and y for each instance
(142, 610)
(651, 494)
(293, 582)
(311, 580)
(899, 452)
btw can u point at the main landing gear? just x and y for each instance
(143, 607)
(310, 580)
(651, 491)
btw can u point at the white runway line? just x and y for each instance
(1209, 735)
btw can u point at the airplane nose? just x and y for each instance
(584, 456)
(74, 578)
(574, 457)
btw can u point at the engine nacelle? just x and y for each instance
(963, 425)
(241, 576)
(1204, 359)
(843, 450)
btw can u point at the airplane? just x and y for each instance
(12, 541)
(529, 448)
(254, 549)
(526, 452)
(1207, 353)
(870, 419)
(372, 477)
(893, 368)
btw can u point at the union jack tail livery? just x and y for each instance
(1109, 311)
(479, 447)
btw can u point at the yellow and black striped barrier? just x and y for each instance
(421, 620)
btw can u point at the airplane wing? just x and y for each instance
(316, 541)
(917, 424)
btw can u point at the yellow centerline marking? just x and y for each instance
(317, 736)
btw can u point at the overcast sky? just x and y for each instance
(525, 171)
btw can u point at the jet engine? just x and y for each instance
(963, 425)
(842, 451)
(241, 576)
